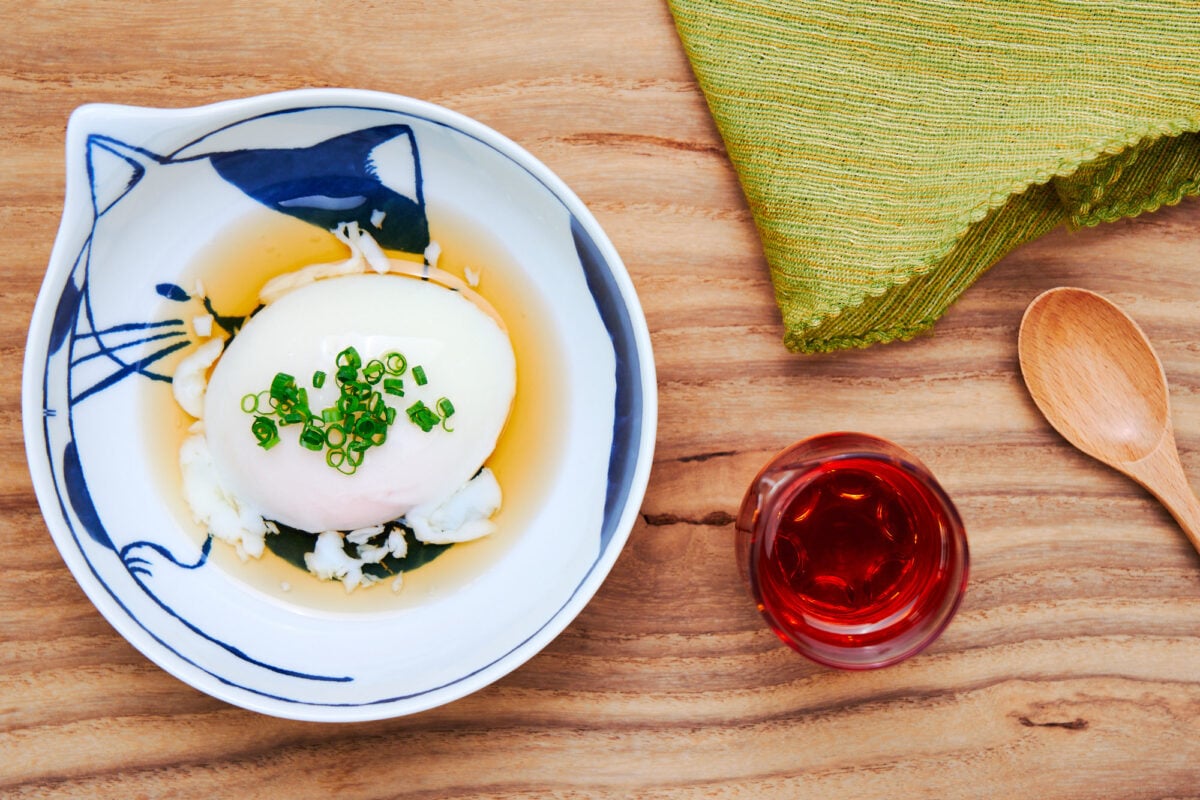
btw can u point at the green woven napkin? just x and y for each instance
(893, 150)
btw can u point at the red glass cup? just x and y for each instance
(854, 554)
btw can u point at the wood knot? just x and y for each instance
(717, 519)
(1077, 724)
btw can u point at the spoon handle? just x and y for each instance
(1162, 474)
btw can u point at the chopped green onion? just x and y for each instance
(337, 460)
(421, 415)
(282, 386)
(357, 421)
(373, 371)
(446, 409)
(292, 418)
(395, 363)
(335, 437)
(312, 437)
(371, 403)
(265, 432)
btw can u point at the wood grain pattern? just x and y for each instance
(1072, 670)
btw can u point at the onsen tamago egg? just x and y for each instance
(465, 354)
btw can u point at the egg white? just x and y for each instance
(465, 353)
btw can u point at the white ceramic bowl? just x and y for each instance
(149, 193)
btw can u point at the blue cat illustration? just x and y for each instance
(333, 182)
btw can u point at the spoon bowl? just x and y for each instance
(1095, 377)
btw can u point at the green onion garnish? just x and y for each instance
(373, 371)
(292, 417)
(265, 432)
(422, 416)
(395, 363)
(446, 409)
(335, 436)
(312, 437)
(356, 421)
(282, 385)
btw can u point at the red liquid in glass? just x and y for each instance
(857, 555)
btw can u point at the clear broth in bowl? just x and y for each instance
(233, 269)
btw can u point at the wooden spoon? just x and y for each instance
(1097, 380)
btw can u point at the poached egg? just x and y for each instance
(465, 356)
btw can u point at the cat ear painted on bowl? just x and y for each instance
(370, 176)
(114, 168)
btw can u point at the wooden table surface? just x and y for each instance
(1071, 671)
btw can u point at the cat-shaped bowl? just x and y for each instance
(167, 209)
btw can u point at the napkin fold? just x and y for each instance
(892, 150)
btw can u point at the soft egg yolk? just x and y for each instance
(464, 353)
